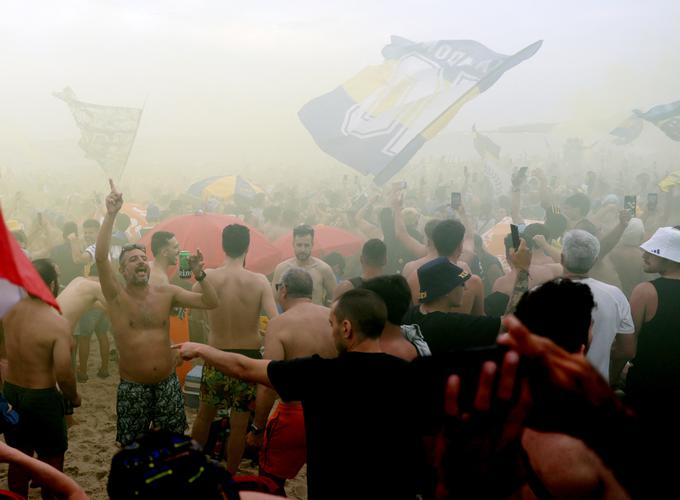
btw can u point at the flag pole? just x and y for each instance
(134, 138)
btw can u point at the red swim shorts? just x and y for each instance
(284, 449)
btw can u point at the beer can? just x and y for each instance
(184, 267)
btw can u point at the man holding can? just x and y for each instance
(149, 391)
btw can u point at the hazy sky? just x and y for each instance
(221, 82)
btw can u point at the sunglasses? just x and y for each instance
(279, 286)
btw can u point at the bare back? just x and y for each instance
(234, 324)
(32, 329)
(78, 297)
(568, 468)
(303, 331)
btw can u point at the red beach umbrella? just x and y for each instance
(204, 231)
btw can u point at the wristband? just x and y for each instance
(201, 276)
(256, 430)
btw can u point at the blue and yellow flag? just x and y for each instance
(484, 146)
(378, 120)
(628, 130)
(664, 116)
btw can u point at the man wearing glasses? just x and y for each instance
(149, 391)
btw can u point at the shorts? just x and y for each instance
(41, 426)
(284, 449)
(140, 405)
(93, 321)
(221, 391)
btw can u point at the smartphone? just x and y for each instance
(652, 202)
(455, 200)
(514, 230)
(630, 204)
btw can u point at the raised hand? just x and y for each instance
(521, 258)
(114, 200)
(196, 263)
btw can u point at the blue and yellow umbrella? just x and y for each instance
(225, 188)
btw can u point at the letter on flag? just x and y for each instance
(664, 116)
(108, 132)
(379, 119)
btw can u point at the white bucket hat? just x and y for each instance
(665, 243)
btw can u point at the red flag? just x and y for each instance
(18, 277)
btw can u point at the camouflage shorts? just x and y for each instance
(222, 391)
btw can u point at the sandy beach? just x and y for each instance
(92, 437)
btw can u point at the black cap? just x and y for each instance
(438, 277)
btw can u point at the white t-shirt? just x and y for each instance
(610, 317)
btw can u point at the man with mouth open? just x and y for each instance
(149, 391)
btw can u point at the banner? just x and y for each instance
(108, 132)
(379, 119)
(628, 130)
(664, 116)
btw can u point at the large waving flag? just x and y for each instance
(108, 132)
(664, 116)
(628, 130)
(379, 119)
(18, 277)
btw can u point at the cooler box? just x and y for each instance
(192, 386)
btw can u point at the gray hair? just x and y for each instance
(298, 283)
(579, 251)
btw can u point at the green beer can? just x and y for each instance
(184, 267)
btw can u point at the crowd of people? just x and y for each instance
(428, 364)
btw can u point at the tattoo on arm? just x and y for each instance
(521, 286)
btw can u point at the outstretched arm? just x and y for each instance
(229, 363)
(110, 287)
(45, 474)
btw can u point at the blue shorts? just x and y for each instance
(93, 321)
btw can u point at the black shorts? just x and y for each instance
(41, 426)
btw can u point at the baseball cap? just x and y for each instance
(438, 277)
(665, 243)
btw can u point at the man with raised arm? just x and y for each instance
(149, 390)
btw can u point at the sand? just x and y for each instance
(92, 438)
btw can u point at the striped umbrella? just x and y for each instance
(224, 188)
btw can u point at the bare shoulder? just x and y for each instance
(643, 292)
(321, 265)
(285, 265)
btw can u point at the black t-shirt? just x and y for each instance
(445, 332)
(360, 423)
(68, 270)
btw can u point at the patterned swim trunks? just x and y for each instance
(140, 405)
(222, 392)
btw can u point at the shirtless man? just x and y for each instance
(447, 237)
(234, 327)
(38, 344)
(165, 250)
(81, 295)
(301, 331)
(538, 274)
(412, 266)
(149, 390)
(322, 274)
